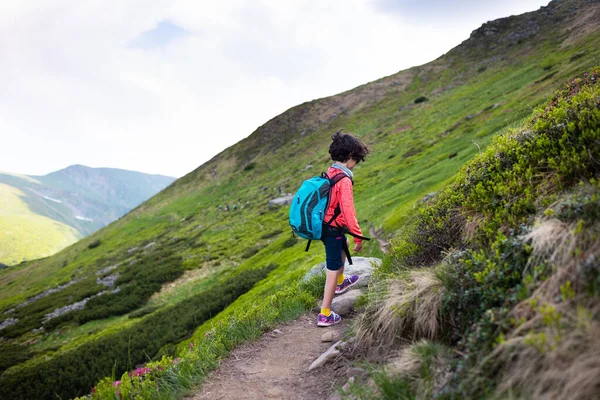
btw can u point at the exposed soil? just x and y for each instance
(276, 366)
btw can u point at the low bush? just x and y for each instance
(32, 315)
(522, 170)
(514, 240)
(94, 244)
(136, 283)
(72, 373)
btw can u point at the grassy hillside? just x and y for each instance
(492, 290)
(178, 249)
(23, 233)
(82, 198)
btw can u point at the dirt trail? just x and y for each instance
(276, 366)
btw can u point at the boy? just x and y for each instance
(346, 151)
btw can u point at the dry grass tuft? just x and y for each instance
(424, 364)
(567, 248)
(407, 363)
(553, 240)
(473, 220)
(410, 309)
(554, 361)
(555, 352)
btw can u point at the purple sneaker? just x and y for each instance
(347, 284)
(328, 321)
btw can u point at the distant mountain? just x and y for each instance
(43, 214)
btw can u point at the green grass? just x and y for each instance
(23, 233)
(405, 165)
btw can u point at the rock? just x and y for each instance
(343, 303)
(428, 197)
(348, 384)
(276, 332)
(362, 266)
(329, 336)
(108, 280)
(48, 292)
(281, 201)
(330, 354)
(355, 371)
(107, 269)
(2, 266)
(342, 345)
(8, 322)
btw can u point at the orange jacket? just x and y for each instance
(342, 194)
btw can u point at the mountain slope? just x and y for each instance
(23, 233)
(422, 124)
(79, 199)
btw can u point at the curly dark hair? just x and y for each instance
(344, 146)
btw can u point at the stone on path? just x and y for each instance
(343, 303)
(329, 336)
(362, 266)
(330, 354)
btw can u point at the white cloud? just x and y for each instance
(75, 90)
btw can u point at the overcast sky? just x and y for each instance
(163, 86)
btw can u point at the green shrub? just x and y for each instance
(74, 372)
(479, 226)
(271, 234)
(136, 284)
(12, 354)
(94, 244)
(32, 315)
(289, 242)
(502, 187)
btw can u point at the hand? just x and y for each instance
(358, 247)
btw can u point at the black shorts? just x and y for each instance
(334, 240)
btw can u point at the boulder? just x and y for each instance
(343, 303)
(362, 266)
(281, 201)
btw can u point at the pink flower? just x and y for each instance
(191, 345)
(93, 390)
(116, 383)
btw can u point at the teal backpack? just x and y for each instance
(307, 211)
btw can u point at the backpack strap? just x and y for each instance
(346, 250)
(332, 181)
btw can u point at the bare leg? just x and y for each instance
(331, 283)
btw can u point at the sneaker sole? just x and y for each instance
(348, 287)
(329, 324)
